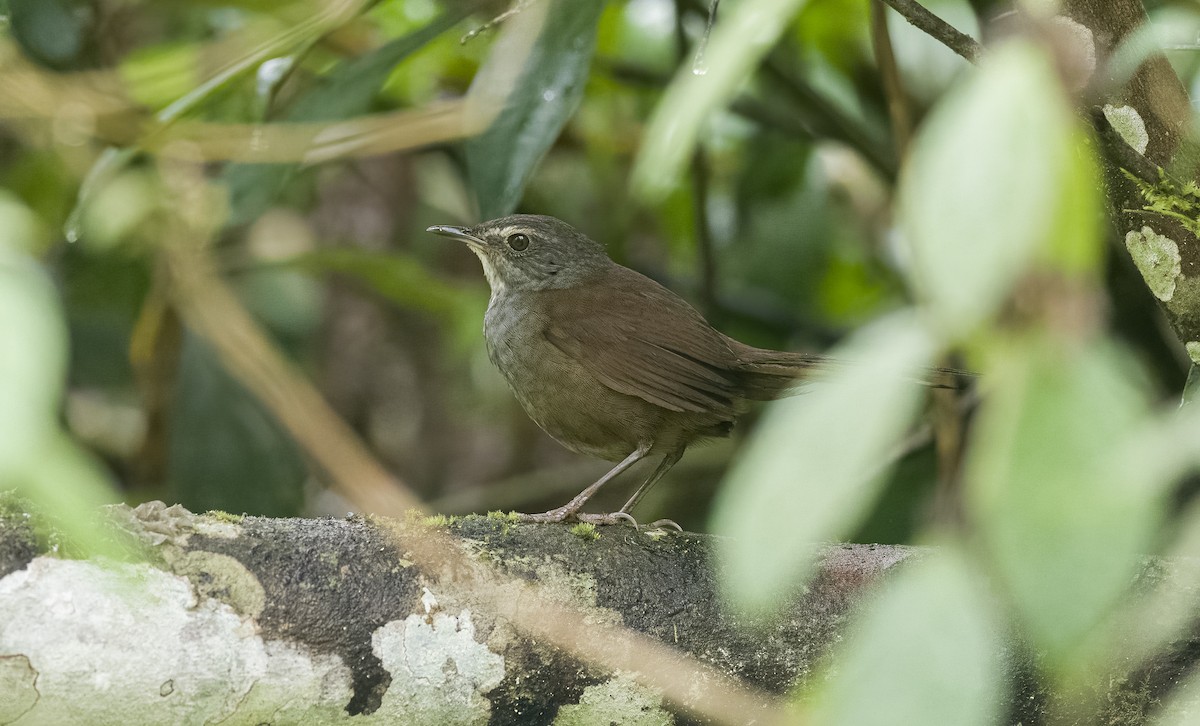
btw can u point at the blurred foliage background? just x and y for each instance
(153, 153)
(781, 230)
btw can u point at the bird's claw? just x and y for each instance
(665, 524)
(554, 515)
(562, 514)
(611, 518)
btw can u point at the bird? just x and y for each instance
(607, 361)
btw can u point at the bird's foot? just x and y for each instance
(565, 514)
(665, 524)
(611, 518)
(561, 514)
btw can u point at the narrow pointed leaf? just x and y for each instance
(345, 92)
(546, 94)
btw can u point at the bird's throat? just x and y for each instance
(495, 280)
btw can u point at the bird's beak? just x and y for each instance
(459, 233)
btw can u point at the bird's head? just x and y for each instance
(530, 252)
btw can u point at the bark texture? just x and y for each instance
(1144, 122)
(229, 620)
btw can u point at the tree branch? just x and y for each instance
(246, 620)
(938, 29)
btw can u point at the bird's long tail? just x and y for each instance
(767, 374)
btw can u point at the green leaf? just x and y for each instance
(112, 160)
(547, 92)
(34, 452)
(226, 452)
(399, 278)
(33, 357)
(52, 31)
(926, 651)
(346, 92)
(1062, 508)
(995, 175)
(738, 41)
(20, 229)
(817, 460)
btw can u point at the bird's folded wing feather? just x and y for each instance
(641, 340)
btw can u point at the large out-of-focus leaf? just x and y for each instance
(926, 652)
(816, 462)
(345, 92)
(33, 356)
(547, 92)
(34, 453)
(987, 183)
(739, 40)
(226, 451)
(1062, 511)
(52, 31)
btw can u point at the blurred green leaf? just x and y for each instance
(52, 31)
(69, 485)
(113, 160)
(985, 186)
(347, 91)
(925, 652)
(120, 209)
(34, 452)
(1060, 505)
(816, 463)
(1192, 387)
(33, 356)
(157, 75)
(20, 230)
(738, 41)
(226, 452)
(502, 158)
(838, 30)
(399, 278)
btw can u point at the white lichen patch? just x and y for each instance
(1157, 258)
(18, 689)
(440, 672)
(1127, 122)
(1078, 50)
(1193, 351)
(428, 600)
(618, 700)
(120, 644)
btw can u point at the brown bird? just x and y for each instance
(607, 361)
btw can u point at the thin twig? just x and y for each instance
(938, 29)
(947, 419)
(517, 7)
(699, 173)
(746, 106)
(834, 123)
(893, 84)
(704, 239)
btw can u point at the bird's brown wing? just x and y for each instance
(640, 339)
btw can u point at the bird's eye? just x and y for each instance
(518, 242)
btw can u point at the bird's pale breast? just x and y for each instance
(560, 396)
